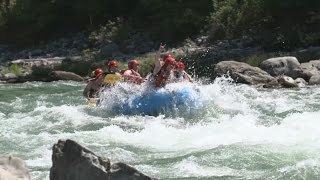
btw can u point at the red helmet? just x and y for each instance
(132, 63)
(98, 72)
(165, 56)
(169, 61)
(179, 65)
(112, 63)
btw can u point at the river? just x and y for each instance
(239, 132)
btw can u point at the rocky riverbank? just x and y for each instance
(75, 57)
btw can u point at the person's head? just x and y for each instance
(165, 56)
(98, 72)
(169, 63)
(133, 64)
(179, 66)
(112, 66)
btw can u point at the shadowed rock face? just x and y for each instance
(12, 168)
(71, 161)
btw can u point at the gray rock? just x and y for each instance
(289, 66)
(9, 76)
(309, 69)
(63, 75)
(242, 72)
(71, 161)
(314, 80)
(287, 82)
(13, 168)
(300, 82)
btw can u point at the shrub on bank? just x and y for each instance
(278, 25)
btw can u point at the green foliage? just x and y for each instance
(279, 25)
(13, 68)
(113, 31)
(146, 64)
(29, 21)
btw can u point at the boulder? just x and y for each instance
(287, 82)
(288, 66)
(300, 82)
(242, 72)
(13, 168)
(309, 69)
(63, 75)
(71, 161)
(314, 80)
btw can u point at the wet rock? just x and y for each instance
(288, 66)
(287, 82)
(13, 168)
(71, 161)
(300, 82)
(314, 80)
(242, 72)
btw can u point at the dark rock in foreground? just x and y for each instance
(71, 161)
(13, 168)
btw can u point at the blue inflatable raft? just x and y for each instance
(161, 101)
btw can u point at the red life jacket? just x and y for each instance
(160, 78)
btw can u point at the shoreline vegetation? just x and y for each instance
(80, 36)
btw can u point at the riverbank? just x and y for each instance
(66, 59)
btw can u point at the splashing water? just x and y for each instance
(238, 132)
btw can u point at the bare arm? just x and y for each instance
(188, 76)
(86, 90)
(157, 62)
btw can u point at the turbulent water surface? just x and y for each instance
(238, 132)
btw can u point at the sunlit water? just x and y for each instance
(238, 131)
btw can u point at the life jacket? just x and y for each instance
(161, 78)
(111, 78)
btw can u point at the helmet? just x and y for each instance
(98, 72)
(132, 63)
(180, 65)
(112, 63)
(165, 56)
(169, 61)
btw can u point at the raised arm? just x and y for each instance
(187, 76)
(157, 61)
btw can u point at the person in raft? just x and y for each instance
(131, 73)
(113, 75)
(163, 69)
(180, 74)
(94, 84)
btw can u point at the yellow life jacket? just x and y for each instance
(91, 102)
(112, 78)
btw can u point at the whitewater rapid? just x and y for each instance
(240, 131)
